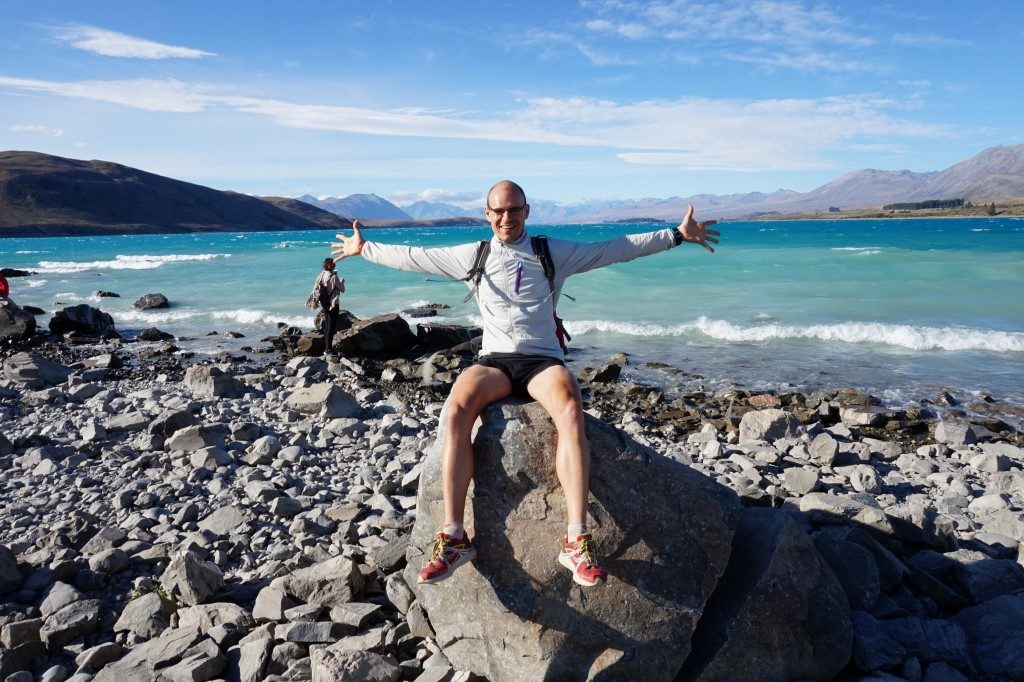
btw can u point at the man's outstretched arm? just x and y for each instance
(453, 262)
(581, 256)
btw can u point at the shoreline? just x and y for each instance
(122, 462)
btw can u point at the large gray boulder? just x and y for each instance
(662, 530)
(15, 322)
(326, 400)
(35, 371)
(334, 582)
(778, 613)
(191, 580)
(204, 381)
(768, 425)
(10, 576)
(81, 318)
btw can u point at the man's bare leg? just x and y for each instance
(475, 389)
(557, 391)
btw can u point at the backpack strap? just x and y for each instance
(476, 272)
(543, 253)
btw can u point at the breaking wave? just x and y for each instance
(125, 262)
(899, 335)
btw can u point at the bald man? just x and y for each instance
(520, 355)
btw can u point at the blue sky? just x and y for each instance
(575, 100)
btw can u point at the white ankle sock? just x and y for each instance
(575, 530)
(454, 530)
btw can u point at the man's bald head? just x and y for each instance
(506, 186)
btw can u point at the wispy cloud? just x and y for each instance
(460, 198)
(769, 134)
(927, 40)
(114, 44)
(38, 130)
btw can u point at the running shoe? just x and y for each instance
(446, 555)
(578, 557)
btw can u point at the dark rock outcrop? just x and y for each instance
(16, 322)
(381, 336)
(81, 318)
(152, 302)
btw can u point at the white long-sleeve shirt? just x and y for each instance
(515, 300)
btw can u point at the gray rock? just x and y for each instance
(398, 592)
(147, 616)
(835, 509)
(10, 576)
(271, 603)
(131, 422)
(522, 597)
(205, 381)
(777, 613)
(109, 561)
(768, 425)
(330, 583)
(191, 580)
(74, 620)
(142, 661)
(327, 400)
(57, 596)
(823, 450)
(864, 415)
(800, 481)
(995, 636)
(886, 643)
(206, 617)
(202, 662)
(225, 521)
(13, 635)
(98, 656)
(339, 664)
(312, 632)
(192, 438)
(982, 578)
(955, 433)
(855, 568)
(248, 662)
(943, 672)
(285, 507)
(355, 614)
(35, 371)
(170, 421)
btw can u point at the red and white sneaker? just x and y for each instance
(578, 557)
(446, 555)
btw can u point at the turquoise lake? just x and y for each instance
(900, 308)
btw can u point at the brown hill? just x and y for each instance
(51, 196)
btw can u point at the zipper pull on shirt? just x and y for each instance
(519, 275)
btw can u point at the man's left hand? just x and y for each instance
(698, 232)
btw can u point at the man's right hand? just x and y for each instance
(348, 246)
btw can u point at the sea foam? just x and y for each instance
(899, 335)
(121, 262)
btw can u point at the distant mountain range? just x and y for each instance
(43, 195)
(50, 196)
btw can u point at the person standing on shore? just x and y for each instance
(520, 355)
(327, 289)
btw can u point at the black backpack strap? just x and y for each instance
(476, 272)
(543, 253)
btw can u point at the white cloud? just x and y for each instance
(38, 130)
(769, 134)
(460, 198)
(113, 44)
(927, 40)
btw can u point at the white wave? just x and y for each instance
(250, 316)
(290, 244)
(27, 251)
(154, 317)
(979, 229)
(71, 297)
(874, 249)
(33, 283)
(125, 262)
(899, 335)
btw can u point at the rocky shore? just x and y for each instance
(169, 516)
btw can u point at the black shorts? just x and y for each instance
(520, 369)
